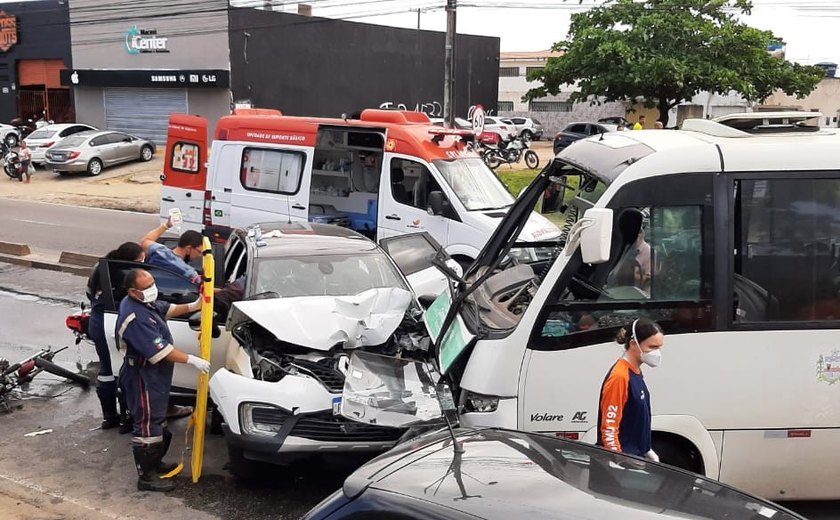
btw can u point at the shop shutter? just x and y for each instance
(143, 112)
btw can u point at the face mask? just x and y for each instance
(652, 358)
(150, 294)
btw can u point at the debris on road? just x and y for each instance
(40, 432)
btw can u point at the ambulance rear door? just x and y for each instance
(185, 169)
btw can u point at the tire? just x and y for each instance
(146, 154)
(63, 174)
(52, 368)
(492, 160)
(532, 160)
(239, 466)
(216, 421)
(12, 140)
(94, 167)
(527, 134)
(678, 452)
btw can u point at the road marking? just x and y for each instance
(37, 222)
(78, 207)
(76, 502)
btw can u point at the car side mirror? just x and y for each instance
(436, 202)
(195, 324)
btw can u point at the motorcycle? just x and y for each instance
(510, 152)
(24, 128)
(12, 165)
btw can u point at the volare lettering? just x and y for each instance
(545, 417)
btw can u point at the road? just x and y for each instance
(70, 228)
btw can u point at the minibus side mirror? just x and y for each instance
(596, 235)
(436, 201)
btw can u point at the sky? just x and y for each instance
(809, 27)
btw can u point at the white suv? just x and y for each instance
(528, 127)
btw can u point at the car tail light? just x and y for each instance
(208, 215)
(73, 155)
(47, 145)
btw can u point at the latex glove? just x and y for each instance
(199, 364)
(651, 455)
(194, 306)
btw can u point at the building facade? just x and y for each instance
(554, 112)
(34, 49)
(825, 98)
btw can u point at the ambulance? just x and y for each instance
(385, 174)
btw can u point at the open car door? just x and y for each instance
(185, 169)
(414, 254)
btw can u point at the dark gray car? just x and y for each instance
(91, 152)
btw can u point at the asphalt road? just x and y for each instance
(70, 228)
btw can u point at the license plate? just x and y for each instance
(336, 405)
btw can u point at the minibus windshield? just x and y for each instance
(476, 186)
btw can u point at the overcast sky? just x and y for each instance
(809, 27)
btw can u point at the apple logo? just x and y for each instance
(74, 78)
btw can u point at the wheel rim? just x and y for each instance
(147, 154)
(11, 140)
(95, 167)
(531, 160)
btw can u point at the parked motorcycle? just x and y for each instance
(24, 127)
(510, 152)
(12, 165)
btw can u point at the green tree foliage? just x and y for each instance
(663, 52)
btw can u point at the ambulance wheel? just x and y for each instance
(239, 466)
(146, 154)
(678, 451)
(94, 167)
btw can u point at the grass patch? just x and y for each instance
(517, 180)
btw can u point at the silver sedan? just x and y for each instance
(92, 151)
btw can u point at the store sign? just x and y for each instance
(143, 41)
(8, 31)
(215, 78)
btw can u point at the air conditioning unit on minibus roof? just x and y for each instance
(747, 123)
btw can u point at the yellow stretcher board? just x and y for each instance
(200, 414)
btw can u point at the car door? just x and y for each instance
(124, 147)
(172, 288)
(414, 254)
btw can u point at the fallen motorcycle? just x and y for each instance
(510, 152)
(14, 375)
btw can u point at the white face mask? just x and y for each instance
(652, 358)
(150, 294)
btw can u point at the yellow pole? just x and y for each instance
(203, 379)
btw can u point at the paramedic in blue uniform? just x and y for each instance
(146, 373)
(624, 406)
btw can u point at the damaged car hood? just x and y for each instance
(321, 322)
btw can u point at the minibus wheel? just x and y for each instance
(678, 451)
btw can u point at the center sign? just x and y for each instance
(144, 41)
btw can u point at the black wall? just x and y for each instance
(321, 67)
(43, 34)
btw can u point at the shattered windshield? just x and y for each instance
(476, 186)
(325, 275)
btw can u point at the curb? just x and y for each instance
(68, 262)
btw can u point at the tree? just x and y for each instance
(663, 52)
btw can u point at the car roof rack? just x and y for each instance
(749, 123)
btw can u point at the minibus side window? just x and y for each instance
(660, 272)
(787, 250)
(411, 183)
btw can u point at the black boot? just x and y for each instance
(146, 458)
(125, 417)
(107, 394)
(163, 468)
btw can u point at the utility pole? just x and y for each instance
(449, 66)
(418, 18)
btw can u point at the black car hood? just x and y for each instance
(507, 474)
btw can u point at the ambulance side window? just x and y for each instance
(411, 183)
(270, 170)
(186, 157)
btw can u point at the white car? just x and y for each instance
(9, 135)
(312, 294)
(495, 125)
(528, 127)
(46, 137)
